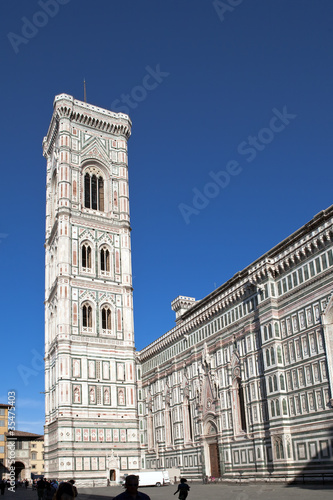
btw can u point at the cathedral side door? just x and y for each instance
(214, 460)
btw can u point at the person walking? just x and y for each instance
(74, 487)
(183, 489)
(131, 487)
(49, 491)
(40, 488)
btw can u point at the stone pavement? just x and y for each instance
(258, 491)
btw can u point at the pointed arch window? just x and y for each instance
(106, 319)
(53, 197)
(267, 358)
(279, 354)
(279, 449)
(105, 261)
(275, 383)
(87, 318)
(282, 384)
(190, 420)
(239, 405)
(94, 191)
(86, 257)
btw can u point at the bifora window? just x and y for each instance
(86, 257)
(87, 317)
(106, 319)
(105, 261)
(94, 191)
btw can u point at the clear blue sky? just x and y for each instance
(223, 78)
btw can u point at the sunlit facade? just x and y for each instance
(241, 384)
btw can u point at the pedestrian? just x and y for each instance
(183, 489)
(2, 487)
(131, 486)
(74, 487)
(64, 491)
(26, 483)
(40, 488)
(49, 491)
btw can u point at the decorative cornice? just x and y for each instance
(82, 113)
(306, 241)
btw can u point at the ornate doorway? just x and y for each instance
(215, 470)
(211, 450)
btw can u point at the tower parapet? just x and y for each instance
(181, 304)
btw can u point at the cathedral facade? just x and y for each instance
(241, 385)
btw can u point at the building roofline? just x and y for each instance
(269, 260)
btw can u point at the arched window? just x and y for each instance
(272, 356)
(272, 409)
(241, 406)
(279, 449)
(275, 383)
(270, 333)
(265, 333)
(279, 354)
(94, 191)
(54, 196)
(277, 404)
(282, 384)
(86, 257)
(87, 317)
(267, 358)
(105, 261)
(284, 407)
(106, 319)
(277, 333)
(270, 384)
(190, 420)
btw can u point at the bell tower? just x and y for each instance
(91, 427)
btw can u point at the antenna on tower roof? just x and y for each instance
(84, 90)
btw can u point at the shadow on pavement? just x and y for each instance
(87, 496)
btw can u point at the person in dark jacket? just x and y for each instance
(131, 487)
(49, 491)
(74, 487)
(183, 489)
(40, 488)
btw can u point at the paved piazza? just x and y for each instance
(259, 491)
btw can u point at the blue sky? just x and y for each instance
(243, 95)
